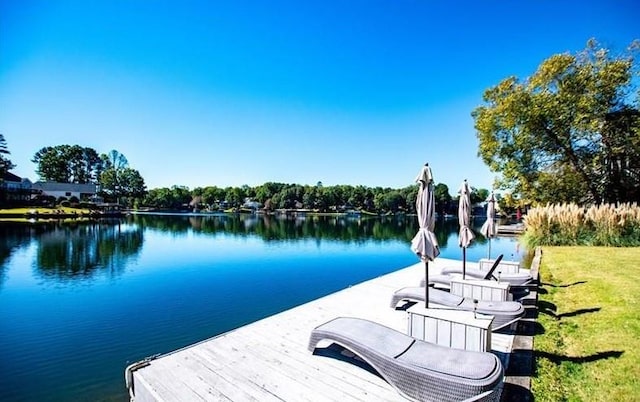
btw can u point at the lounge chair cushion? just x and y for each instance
(504, 312)
(515, 278)
(429, 356)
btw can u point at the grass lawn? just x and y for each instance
(43, 211)
(588, 344)
(44, 214)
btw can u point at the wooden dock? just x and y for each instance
(268, 360)
(514, 229)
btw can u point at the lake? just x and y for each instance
(80, 301)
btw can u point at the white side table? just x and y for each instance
(452, 328)
(507, 267)
(480, 289)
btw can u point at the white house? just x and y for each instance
(85, 191)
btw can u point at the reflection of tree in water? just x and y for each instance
(275, 228)
(12, 237)
(82, 250)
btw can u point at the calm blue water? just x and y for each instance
(78, 303)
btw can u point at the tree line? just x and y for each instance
(272, 196)
(118, 182)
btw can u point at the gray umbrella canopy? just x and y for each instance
(424, 243)
(466, 236)
(489, 228)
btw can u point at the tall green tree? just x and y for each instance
(570, 132)
(5, 162)
(479, 195)
(119, 181)
(85, 165)
(52, 164)
(442, 197)
(68, 164)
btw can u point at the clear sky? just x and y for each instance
(199, 93)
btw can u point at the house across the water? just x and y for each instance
(14, 189)
(83, 192)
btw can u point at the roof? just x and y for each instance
(8, 176)
(72, 187)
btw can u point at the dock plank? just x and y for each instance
(268, 360)
(300, 378)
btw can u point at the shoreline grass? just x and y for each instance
(570, 224)
(43, 211)
(586, 347)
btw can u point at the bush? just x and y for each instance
(87, 205)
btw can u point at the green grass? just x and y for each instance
(43, 211)
(44, 214)
(588, 347)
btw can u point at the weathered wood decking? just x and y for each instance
(268, 360)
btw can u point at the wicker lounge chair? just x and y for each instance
(514, 279)
(517, 280)
(418, 370)
(504, 312)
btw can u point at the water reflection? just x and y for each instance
(80, 250)
(13, 236)
(272, 228)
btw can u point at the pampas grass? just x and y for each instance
(573, 225)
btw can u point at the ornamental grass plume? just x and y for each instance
(537, 222)
(571, 224)
(604, 221)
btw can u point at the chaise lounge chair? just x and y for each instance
(418, 370)
(504, 313)
(514, 279)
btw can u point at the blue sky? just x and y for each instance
(199, 93)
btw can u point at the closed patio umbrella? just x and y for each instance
(424, 243)
(489, 228)
(466, 236)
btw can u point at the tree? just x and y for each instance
(213, 195)
(119, 180)
(68, 164)
(84, 164)
(569, 132)
(53, 164)
(235, 196)
(131, 183)
(442, 197)
(5, 162)
(479, 195)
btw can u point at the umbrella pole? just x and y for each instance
(464, 261)
(489, 256)
(426, 284)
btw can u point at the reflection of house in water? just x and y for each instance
(251, 204)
